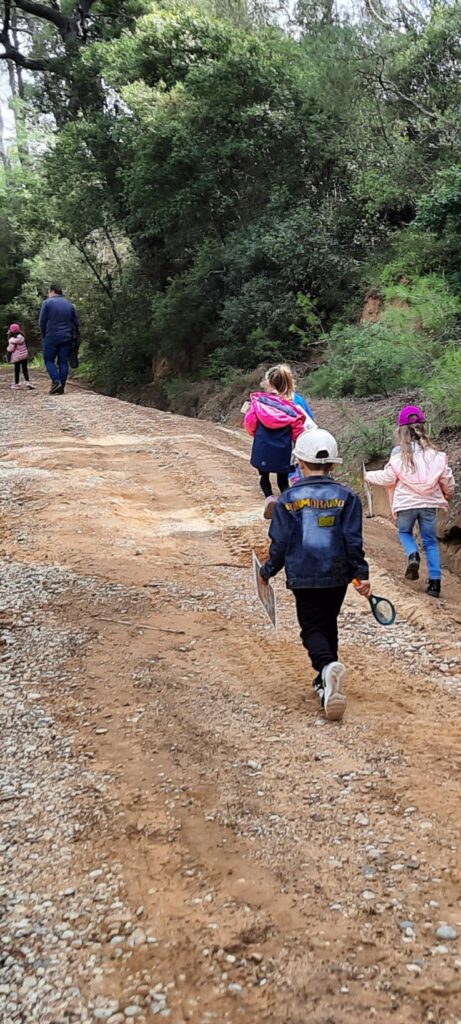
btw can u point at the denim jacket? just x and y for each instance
(316, 533)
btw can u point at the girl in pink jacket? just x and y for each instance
(420, 481)
(19, 355)
(274, 421)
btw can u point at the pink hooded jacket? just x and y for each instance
(18, 348)
(275, 412)
(430, 485)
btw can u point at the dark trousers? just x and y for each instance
(266, 486)
(317, 610)
(22, 365)
(57, 350)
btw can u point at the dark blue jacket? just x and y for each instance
(316, 533)
(58, 319)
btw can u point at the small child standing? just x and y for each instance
(19, 356)
(421, 481)
(275, 420)
(316, 534)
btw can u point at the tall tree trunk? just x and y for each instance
(3, 157)
(17, 97)
(19, 74)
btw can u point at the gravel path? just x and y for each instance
(183, 837)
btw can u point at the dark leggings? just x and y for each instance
(318, 611)
(266, 486)
(25, 370)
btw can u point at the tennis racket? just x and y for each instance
(382, 609)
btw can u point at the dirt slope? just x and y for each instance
(183, 836)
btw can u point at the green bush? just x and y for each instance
(418, 321)
(368, 441)
(258, 349)
(126, 363)
(368, 360)
(425, 306)
(443, 388)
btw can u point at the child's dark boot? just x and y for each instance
(433, 588)
(412, 570)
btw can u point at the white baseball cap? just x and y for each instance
(317, 446)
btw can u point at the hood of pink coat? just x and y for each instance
(275, 412)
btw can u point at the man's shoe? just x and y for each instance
(56, 388)
(433, 588)
(335, 700)
(412, 570)
(269, 506)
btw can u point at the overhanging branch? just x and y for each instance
(63, 23)
(21, 61)
(390, 86)
(71, 27)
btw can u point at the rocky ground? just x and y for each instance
(183, 837)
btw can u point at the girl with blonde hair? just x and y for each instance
(420, 481)
(275, 420)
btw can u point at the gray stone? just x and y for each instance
(137, 938)
(447, 933)
(107, 1010)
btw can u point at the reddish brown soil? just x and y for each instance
(270, 851)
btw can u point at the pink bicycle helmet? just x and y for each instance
(14, 329)
(411, 414)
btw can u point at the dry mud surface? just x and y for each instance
(183, 837)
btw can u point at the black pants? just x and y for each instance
(317, 610)
(266, 486)
(25, 370)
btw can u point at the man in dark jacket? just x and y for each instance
(59, 325)
(316, 534)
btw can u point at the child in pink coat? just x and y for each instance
(19, 356)
(420, 481)
(274, 421)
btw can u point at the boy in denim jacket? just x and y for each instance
(316, 535)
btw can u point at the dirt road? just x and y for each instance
(183, 836)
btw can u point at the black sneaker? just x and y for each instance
(433, 588)
(56, 388)
(412, 570)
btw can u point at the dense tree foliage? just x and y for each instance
(219, 185)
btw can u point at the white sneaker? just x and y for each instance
(269, 506)
(30, 386)
(15, 387)
(335, 700)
